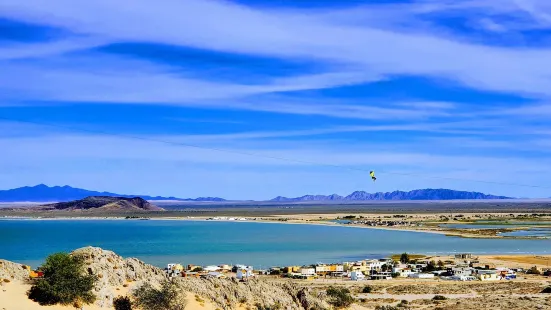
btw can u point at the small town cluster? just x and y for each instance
(463, 267)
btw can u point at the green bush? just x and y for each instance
(439, 297)
(367, 289)
(64, 282)
(403, 304)
(168, 297)
(547, 290)
(533, 270)
(122, 303)
(340, 297)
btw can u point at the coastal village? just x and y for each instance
(460, 267)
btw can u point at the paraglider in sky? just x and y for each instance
(372, 174)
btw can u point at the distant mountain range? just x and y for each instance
(418, 194)
(44, 193)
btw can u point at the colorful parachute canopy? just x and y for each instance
(372, 174)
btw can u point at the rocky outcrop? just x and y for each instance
(230, 293)
(114, 271)
(12, 271)
(312, 301)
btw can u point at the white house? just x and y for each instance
(244, 273)
(239, 266)
(357, 276)
(307, 271)
(403, 273)
(422, 275)
(462, 278)
(374, 264)
(463, 271)
(212, 268)
(489, 277)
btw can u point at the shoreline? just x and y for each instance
(295, 222)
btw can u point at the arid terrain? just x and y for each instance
(118, 276)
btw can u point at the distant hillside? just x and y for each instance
(44, 193)
(419, 194)
(102, 203)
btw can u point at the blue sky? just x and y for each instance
(446, 89)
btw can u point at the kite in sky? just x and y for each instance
(372, 174)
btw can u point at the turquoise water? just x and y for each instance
(496, 224)
(159, 242)
(532, 232)
(341, 221)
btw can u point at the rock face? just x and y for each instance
(12, 271)
(104, 203)
(230, 293)
(114, 271)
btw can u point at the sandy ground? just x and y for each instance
(517, 294)
(13, 297)
(522, 261)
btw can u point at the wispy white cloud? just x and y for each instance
(235, 28)
(89, 147)
(39, 50)
(539, 10)
(536, 110)
(355, 45)
(115, 80)
(94, 157)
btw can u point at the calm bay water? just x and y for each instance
(159, 242)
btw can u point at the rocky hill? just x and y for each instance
(102, 203)
(419, 194)
(12, 271)
(44, 193)
(115, 272)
